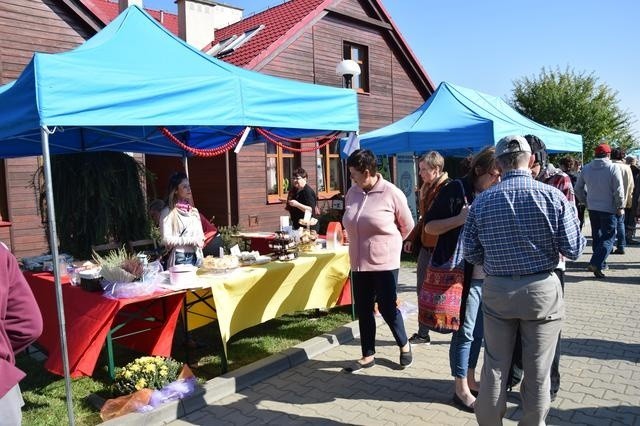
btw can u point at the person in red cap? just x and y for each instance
(600, 187)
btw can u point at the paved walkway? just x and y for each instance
(599, 366)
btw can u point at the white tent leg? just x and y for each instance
(185, 164)
(53, 240)
(228, 185)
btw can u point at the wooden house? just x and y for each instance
(299, 39)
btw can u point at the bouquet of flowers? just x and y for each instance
(146, 383)
(152, 372)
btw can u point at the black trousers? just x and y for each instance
(377, 286)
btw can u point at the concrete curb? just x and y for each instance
(236, 380)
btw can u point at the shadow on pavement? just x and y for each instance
(601, 349)
(620, 414)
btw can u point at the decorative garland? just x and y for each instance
(268, 135)
(209, 152)
(271, 137)
(265, 132)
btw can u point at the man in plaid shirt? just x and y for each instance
(517, 229)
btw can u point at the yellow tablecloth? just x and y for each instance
(255, 294)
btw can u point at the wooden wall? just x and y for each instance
(27, 26)
(312, 57)
(208, 183)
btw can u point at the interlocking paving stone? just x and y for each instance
(600, 370)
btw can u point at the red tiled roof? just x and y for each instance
(280, 23)
(107, 11)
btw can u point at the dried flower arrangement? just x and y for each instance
(118, 266)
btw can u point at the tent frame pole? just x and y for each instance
(53, 243)
(228, 186)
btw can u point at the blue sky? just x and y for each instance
(487, 45)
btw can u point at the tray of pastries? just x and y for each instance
(220, 265)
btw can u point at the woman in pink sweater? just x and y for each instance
(377, 219)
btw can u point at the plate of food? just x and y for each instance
(220, 265)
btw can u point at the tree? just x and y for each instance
(576, 103)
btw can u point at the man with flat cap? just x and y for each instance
(517, 229)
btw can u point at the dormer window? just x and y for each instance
(221, 45)
(234, 44)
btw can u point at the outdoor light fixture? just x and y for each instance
(347, 69)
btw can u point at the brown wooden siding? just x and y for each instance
(45, 25)
(28, 26)
(207, 179)
(352, 8)
(295, 62)
(313, 56)
(392, 92)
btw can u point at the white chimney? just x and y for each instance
(198, 19)
(123, 4)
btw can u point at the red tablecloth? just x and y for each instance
(89, 317)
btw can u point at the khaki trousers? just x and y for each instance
(533, 304)
(11, 407)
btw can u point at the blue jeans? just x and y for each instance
(603, 234)
(467, 341)
(185, 258)
(620, 232)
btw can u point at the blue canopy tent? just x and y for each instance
(113, 91)
(118, 90)
(456, 121)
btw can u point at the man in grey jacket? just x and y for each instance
(600, 187)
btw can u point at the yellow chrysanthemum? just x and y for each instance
(140, 384)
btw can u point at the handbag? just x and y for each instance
(441, 292)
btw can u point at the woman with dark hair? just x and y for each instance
(180, 227)
(301, 198)
(570, 166)
(378, 219)
(446, 219)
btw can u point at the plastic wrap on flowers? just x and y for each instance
(173, 391)
(126, 290)
(146, 399)
(126, 404)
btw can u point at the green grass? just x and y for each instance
(407, 260)
(44, 393)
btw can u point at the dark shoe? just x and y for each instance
(619, 251)
(461, 405)
(406, 358)
(633, 243)
(357, 366)
(553, 396)
(417, 339)
(474, 392)
(597, 272)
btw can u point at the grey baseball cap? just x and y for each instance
(512, 143)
